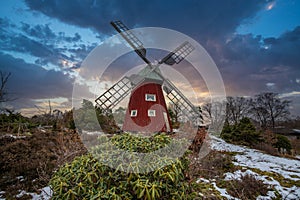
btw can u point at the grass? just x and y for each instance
(285, 182)
(216, 164)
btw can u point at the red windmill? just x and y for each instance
(147, 110)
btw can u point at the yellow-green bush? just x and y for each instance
(87, 178)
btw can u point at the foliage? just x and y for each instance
(132, 143)
(91, 118)
(72, 125)
(283, 142)
(15, 123)
(87, 178)
(174, 118)
(13, 117)
(244, 132)
(119, 115)
(267, 143)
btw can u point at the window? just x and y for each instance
(150, 97)
(151, 113)
(133, 113)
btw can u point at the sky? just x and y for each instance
(255, 44)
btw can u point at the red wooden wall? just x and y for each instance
(142, 122)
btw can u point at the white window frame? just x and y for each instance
(132, 113)
(151, 113)
(148, 97)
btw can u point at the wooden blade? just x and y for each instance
(132, 40)
(178, 54)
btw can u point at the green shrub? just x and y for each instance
(283, 142)
(87, 178)
(140, 144)
(90, 118)
(243, 133)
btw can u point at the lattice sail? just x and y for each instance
(116, 93)
(184, 105)
(110, 98)
(132, 40)
(178, 54)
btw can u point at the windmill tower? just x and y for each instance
(147, 110)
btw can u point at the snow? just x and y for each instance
(46, 194)
(223, 192)
(13, 136)
(20, 178)
(296, 130)
(255, 159)
(93, 132)
(1, 193)
(251, 158)
(287, 193)
(202, 180)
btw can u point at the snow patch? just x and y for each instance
(252, 158)
(20, 178)
(202, 180)
(288, 168)
(93, 132)
(1, 193)
(223, 192)
(13, 136)
(46, 194)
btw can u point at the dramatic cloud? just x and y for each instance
(249, 63)
(253, 61)
(29, 82)
(43, 44)
(203, 19)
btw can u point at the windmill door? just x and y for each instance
(167, 121)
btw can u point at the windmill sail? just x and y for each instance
(184, 105)
(111, 97)
(132, 40)
(178, 54)
(116, 93)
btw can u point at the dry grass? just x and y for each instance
(267, 148)
(296, 145)
(34, 158)
(214, 165)
(246, 188)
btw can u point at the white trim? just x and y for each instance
(150, 97)
(151, 113)
(167, 121)
(133, 113)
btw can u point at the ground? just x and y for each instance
(28, 161)
(227, 172)
(281, 175)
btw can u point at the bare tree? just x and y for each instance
(214, 114)
(236, 109)
(3, 83)
(268, 108)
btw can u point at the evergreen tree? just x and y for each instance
(244, 133)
